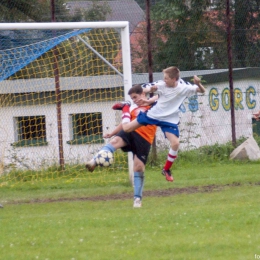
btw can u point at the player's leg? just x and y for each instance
(130, 126)
(116, 143)
(171, 132)
(138, 182)
(140, 148)
(127, 124)
(172, 155)
(125, 107)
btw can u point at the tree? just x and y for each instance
(185, 35)
(245, 17)
(98, 12)
(246, 21)
(192, 34)
(32, 10)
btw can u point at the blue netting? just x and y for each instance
(14, 59)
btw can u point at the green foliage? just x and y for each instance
(31, 10)
(217, 153)
(206, 155)
(98, 12)
(185, 30)
(193, 36)
(72, 173)
(40, 11)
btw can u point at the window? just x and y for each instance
(86, 128)
(31, 131)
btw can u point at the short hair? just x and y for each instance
(172, 72)
(136, 89)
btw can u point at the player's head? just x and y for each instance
(136, 89)
(172, 72)
(171, 75)
(136, 92)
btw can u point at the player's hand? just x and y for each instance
(153, 88)
(107, 135)
(197, 80)
(142, 102)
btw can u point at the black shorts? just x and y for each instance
(135, 144)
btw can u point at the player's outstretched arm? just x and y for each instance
(197, 81)
(114, 132)
(146, 102)
(149, 88)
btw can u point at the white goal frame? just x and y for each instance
(125, 43)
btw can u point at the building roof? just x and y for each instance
(113, 81)
(215, 75)
(121, 10)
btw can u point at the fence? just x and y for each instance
(218, 41)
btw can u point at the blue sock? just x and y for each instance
(107, 147)
(138, 184)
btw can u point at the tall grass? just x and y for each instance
(217, 153)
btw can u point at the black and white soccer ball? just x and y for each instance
(104, 158)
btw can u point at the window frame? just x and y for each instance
(26, 138)
(91, 130)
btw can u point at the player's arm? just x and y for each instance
(153, 99)
(114, 132)
(146, 101)
(197, 81)
(149, 88)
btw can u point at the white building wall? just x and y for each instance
(44, 156)
(208, 125)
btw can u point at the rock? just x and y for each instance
(248, 150)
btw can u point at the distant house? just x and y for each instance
(121, 10)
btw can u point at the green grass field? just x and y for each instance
(180, 220)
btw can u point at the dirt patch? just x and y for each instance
(149, 193)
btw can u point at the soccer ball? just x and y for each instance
(104, 158)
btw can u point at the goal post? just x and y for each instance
(58, 84)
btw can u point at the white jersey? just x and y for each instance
(170, 99)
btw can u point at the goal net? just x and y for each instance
(58, 83)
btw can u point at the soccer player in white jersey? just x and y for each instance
(172, 91)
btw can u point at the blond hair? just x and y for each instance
(172, 72)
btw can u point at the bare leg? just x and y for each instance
(138, 165)
(131, 126)
(117, 142)
(174, 141)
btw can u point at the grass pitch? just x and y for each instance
(209, 212)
